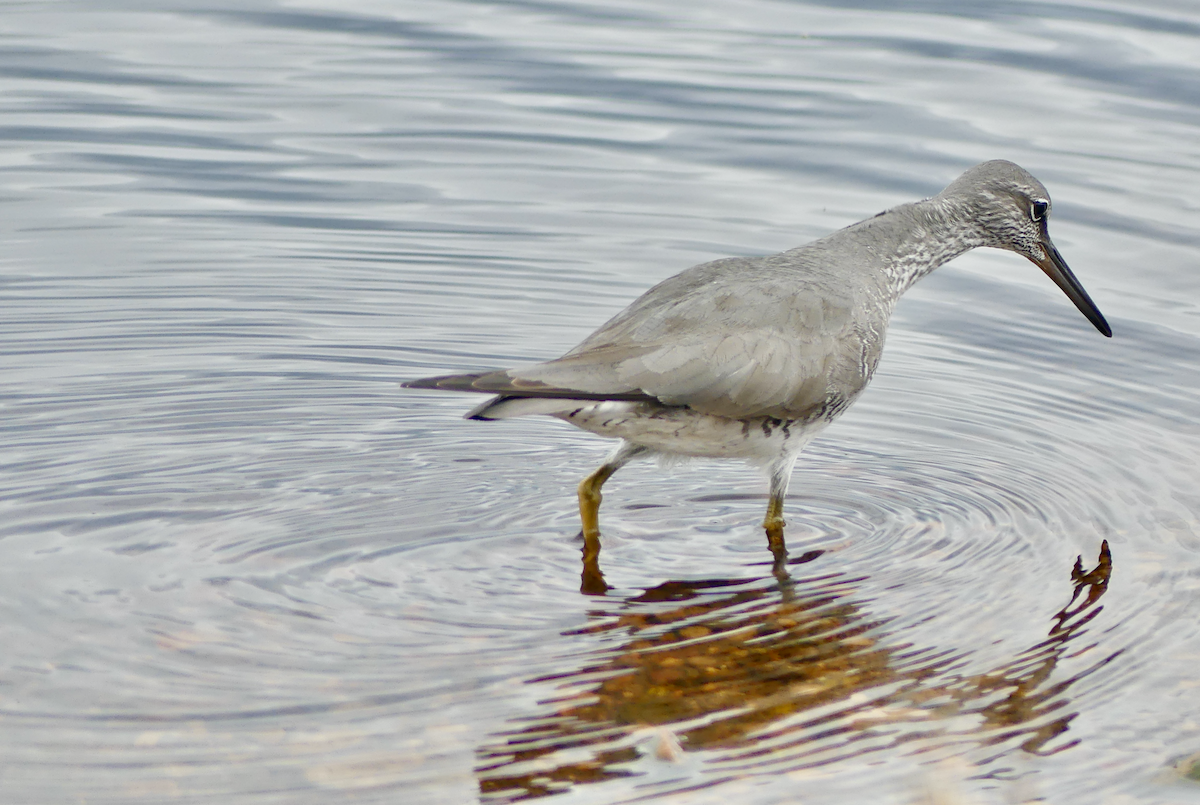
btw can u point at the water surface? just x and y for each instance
(239, 562)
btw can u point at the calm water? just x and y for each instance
(239, 564)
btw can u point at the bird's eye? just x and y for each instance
(1038, 211)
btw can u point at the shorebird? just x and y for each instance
(750, 358)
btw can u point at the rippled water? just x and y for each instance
(239, 562)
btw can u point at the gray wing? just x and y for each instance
(734, 338)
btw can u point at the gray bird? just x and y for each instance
(750, 358)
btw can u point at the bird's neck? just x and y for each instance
(914, 239)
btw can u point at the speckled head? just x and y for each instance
(1010, 209)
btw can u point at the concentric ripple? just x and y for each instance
(241, 565)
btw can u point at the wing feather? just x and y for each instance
(779, 336)
(782, 353)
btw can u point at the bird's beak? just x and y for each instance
(1056, 269)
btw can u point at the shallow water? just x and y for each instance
(239, 562)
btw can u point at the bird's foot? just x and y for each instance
(774, 528)
(591, 580)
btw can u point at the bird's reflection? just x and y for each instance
(774, 674)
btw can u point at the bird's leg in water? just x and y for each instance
(781, 473)
(589, 514)
(774, 524)
(592, 580)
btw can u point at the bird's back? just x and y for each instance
(786, 336)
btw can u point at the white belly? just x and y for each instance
(683, 432)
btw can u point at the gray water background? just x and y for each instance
(238, 563)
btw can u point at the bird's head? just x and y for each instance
(1010, 209)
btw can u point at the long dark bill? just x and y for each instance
(1056, 269)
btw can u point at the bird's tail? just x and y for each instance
(508, 407)
(503, 406)
(449, 382)
(518, 397)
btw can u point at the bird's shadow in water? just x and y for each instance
(694, 682)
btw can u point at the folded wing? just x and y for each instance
(734, 338)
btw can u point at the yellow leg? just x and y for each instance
(589, 514)
(589, 501)
(591, 580)
(781, 472)
(774, 524)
